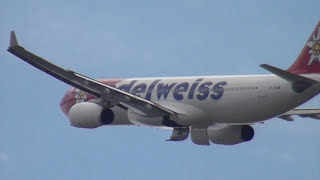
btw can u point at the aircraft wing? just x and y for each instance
(109, 95)
(311, 113)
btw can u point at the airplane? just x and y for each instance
(216, 109)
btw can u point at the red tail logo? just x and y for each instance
(309, 59)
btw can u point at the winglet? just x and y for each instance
(13, 40)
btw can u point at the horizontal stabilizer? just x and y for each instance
(311, 113)
(299, 83)
(293, 78)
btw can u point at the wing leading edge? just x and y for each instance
(109, 95)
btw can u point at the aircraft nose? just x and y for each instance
(67, 101)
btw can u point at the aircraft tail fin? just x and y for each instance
(308, 60)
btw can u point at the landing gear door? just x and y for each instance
(179, 134)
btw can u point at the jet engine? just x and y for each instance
(90, 115)
(231, 135)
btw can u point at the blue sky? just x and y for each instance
(105, 39)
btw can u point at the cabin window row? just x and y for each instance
(218, 89)
(241, 88)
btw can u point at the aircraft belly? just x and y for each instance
(240, 110)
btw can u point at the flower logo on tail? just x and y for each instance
(314, 46)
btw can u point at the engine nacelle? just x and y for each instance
(231, 135)
(90, 115)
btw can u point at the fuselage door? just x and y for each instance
(262, 95)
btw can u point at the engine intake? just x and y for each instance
(107, 116)
(90, 115)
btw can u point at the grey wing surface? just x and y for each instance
(109, 95)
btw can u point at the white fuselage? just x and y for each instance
(219, 99)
